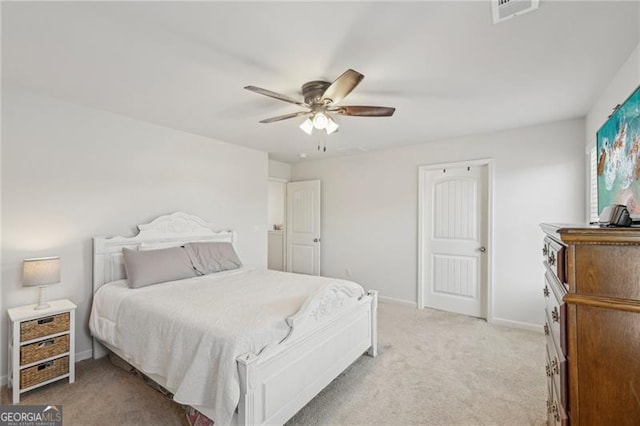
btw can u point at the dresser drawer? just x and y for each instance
(557, 370)
(554, 256)
(42, 327)
(549, 401)
(550, 394)
(44, 349)
(41, 346)
(551, 297)
(556, 319)
(42, 372)
(557, 413)
(554, 293)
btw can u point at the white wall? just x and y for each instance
(370, 205)
(279, 170)
(70, 173)
(625, 81)
(279, 174)
(619, 88)
(276, 196)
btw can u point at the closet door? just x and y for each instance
(454, 239)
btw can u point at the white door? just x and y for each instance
(303, 227)
(453, 218)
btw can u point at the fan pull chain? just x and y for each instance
(322, 139)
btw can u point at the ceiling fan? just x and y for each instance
(321, 99)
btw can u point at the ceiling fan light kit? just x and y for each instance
(319, 121)
(307, 126)
(331, 126)
(320, 98)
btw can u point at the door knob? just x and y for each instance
(316, 240)
(482, 249)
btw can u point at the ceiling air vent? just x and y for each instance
(506, 9)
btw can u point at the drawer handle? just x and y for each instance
(555, 314)
(548, 370)
(552, 259)
(45, 320)
(545, 250)
(545, 291)
(546, 329)
(548, 406)
(554, 366)
(556, 412)
(45, 365)
(45, 343)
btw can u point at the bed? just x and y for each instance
(287, 336)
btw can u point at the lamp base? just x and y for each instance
(42, 304)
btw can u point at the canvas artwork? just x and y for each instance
(618, 144)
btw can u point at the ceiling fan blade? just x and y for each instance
(342, 86)
(284, 117)
(364, 111)
(274, 95)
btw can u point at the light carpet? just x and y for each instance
(433, 368)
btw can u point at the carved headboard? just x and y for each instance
(169, 230)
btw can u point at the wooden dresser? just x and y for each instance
(592, 294)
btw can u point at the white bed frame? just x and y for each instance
(326, 335)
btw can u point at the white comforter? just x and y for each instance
(190, 332)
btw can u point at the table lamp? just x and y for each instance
(41, 272)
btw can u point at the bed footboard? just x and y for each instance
(280, 381)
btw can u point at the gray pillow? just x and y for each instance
(208, 258)
(146, 267)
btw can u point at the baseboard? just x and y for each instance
(516, 324)
(396, 301)
(80, 356)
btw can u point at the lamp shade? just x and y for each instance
(41, 271)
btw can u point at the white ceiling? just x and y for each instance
(444, 65)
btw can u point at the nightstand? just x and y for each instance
(41, 346)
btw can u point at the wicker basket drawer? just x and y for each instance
(44, 349)
(42, 372)
(44, 326)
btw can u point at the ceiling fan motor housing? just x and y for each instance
(313, 91)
